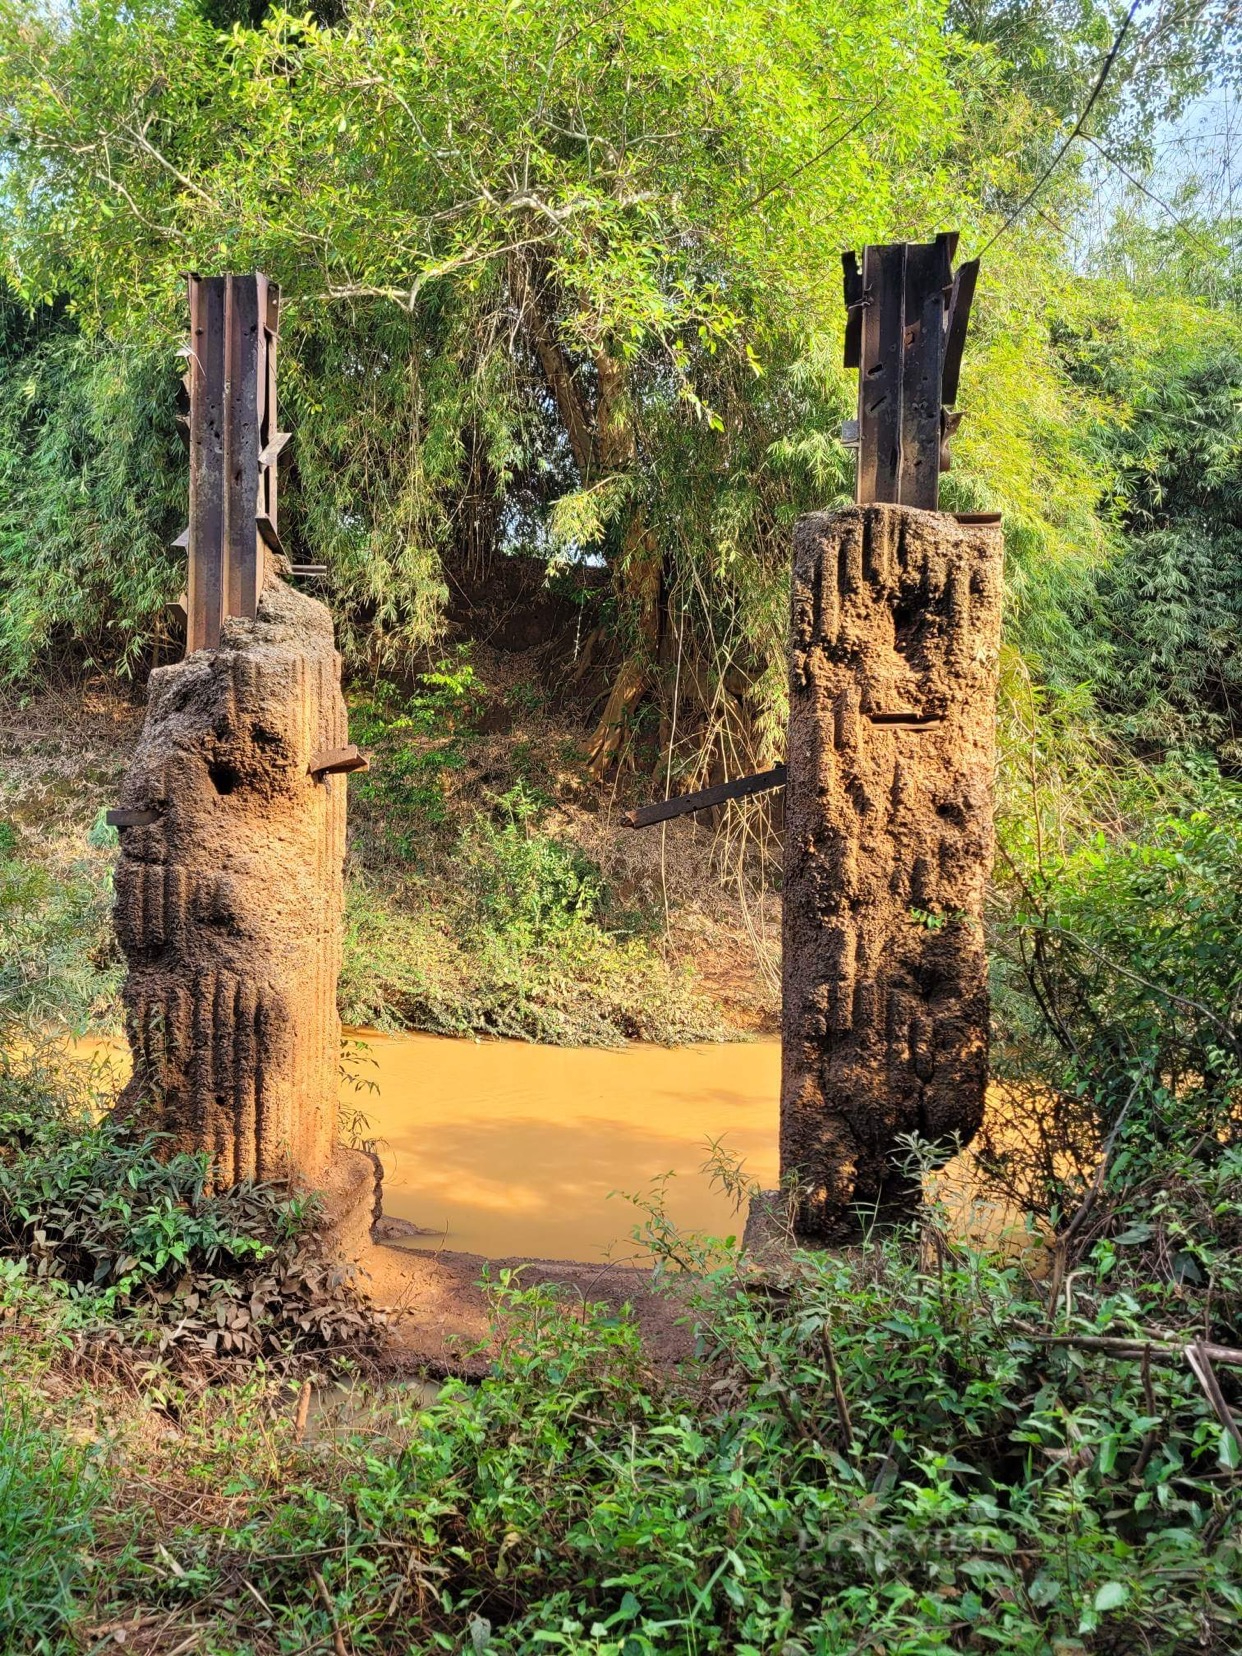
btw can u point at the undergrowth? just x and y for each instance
(908, 1447)
(51, 1491)
(465, 920)
(119, 1241)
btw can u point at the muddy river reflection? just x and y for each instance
(501, 1148)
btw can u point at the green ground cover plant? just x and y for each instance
(118, 1232)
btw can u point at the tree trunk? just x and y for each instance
(602, 442)
(557, 369)
(639, 577)
(641, 586)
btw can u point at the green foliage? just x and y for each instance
(527, 884)
(90, 1203)
(121, 1228)
(1136, 960)
(1119, 980)
(1049, 52)
(379, 466)
(418, 742)
(534, 971)
(92, 490)
(1167, 612)
(884, 1453)
(463, 921)
(566, 278)
(49, 1492)
(58, 959)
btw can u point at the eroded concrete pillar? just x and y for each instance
(888, 847)
(229, 903)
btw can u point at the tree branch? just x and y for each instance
(579, 425)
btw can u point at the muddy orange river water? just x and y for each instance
(498, 1147)
(501, 1148)
(506, 1148)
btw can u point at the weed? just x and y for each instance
(122, 1230)
(517, 946)
(873, 1451)
(449, 971)
(50, 1491)
(907, 1446)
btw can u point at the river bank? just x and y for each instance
(491, 888)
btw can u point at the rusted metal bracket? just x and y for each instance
(335, 760)
(664, 810)
(229, 416)
(907, 312)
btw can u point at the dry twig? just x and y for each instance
(338, 1638)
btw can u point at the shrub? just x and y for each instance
(526, 883)
(881, 1451)
(1158, 625)
(1122, 985)
(514, 941)
(129, 1232)
(418, 740)
(92, 490)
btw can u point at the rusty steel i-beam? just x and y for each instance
(230, 417)
(907, 312)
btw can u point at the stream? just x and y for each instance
(502, 1148)
(499, 1147)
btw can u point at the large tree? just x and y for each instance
(566, 269)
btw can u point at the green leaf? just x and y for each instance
(1111, 1596)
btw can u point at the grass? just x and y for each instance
(411, 966)
(50, 1493)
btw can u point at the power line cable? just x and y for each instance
(1105, 70)
(1151, 195)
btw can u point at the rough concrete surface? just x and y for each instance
(228, 905)
(889, 843)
